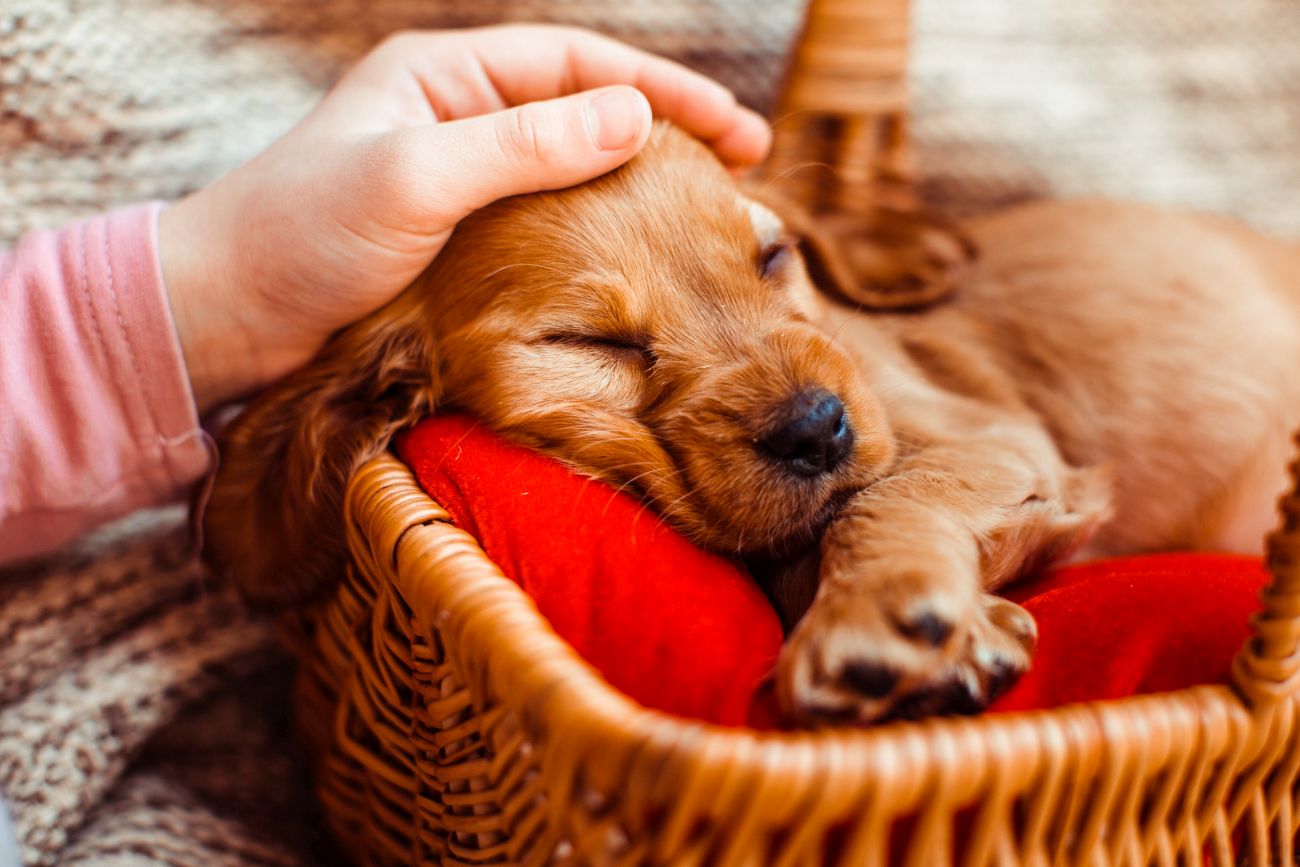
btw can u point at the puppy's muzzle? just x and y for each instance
(817, 438)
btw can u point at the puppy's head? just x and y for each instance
(655, 328)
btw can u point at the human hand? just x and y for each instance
(339, 215)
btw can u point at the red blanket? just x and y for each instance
(687, 632)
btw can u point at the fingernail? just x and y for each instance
(615, 118)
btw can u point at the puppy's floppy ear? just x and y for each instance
(885, 260)
(274, 521)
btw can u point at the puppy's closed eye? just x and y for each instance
(621, 348)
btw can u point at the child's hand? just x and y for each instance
(337, 217)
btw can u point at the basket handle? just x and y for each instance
(840, 124)
(1267, 668)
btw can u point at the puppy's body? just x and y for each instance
(1162, 347)
(1108, 375)
(1109, 379)
(1184, 381)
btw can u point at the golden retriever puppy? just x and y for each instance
(1105, 375)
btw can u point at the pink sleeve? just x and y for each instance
(96, 414)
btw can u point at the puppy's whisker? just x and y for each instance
(667, 508)
(566, 275)
(790, 115)
(855, 314)
(598, 447)
(790, 172)
(657, 471)
(645, 504)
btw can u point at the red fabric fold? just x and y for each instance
(674, 627)
(687, 632)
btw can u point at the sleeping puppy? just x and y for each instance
(1108, 379)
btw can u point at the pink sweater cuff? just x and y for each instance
(98, 418)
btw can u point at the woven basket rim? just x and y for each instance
(563, 692)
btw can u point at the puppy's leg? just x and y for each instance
(902, 623)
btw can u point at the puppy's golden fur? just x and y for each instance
(1106, 374)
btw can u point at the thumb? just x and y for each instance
(549, 145)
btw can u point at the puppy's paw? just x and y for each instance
(854, 659)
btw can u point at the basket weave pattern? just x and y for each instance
(450, 725)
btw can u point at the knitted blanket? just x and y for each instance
(142, 710)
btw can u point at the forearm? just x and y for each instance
(96, 413)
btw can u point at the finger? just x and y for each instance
(526, 63)
(439, 173)
(746, 142)
(414, 78)
(698, 104)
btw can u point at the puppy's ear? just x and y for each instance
(274, 521)
(885, 260)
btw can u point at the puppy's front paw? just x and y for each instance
(854, 659)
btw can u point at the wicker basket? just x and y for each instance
(450, 725)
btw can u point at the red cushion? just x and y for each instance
(687, 632)
(672, 626)
(1135, 625)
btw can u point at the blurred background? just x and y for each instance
(1190, 102)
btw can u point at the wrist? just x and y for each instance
(220, 357)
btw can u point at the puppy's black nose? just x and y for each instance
(818, 438)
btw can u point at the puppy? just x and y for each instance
(1109, 376)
